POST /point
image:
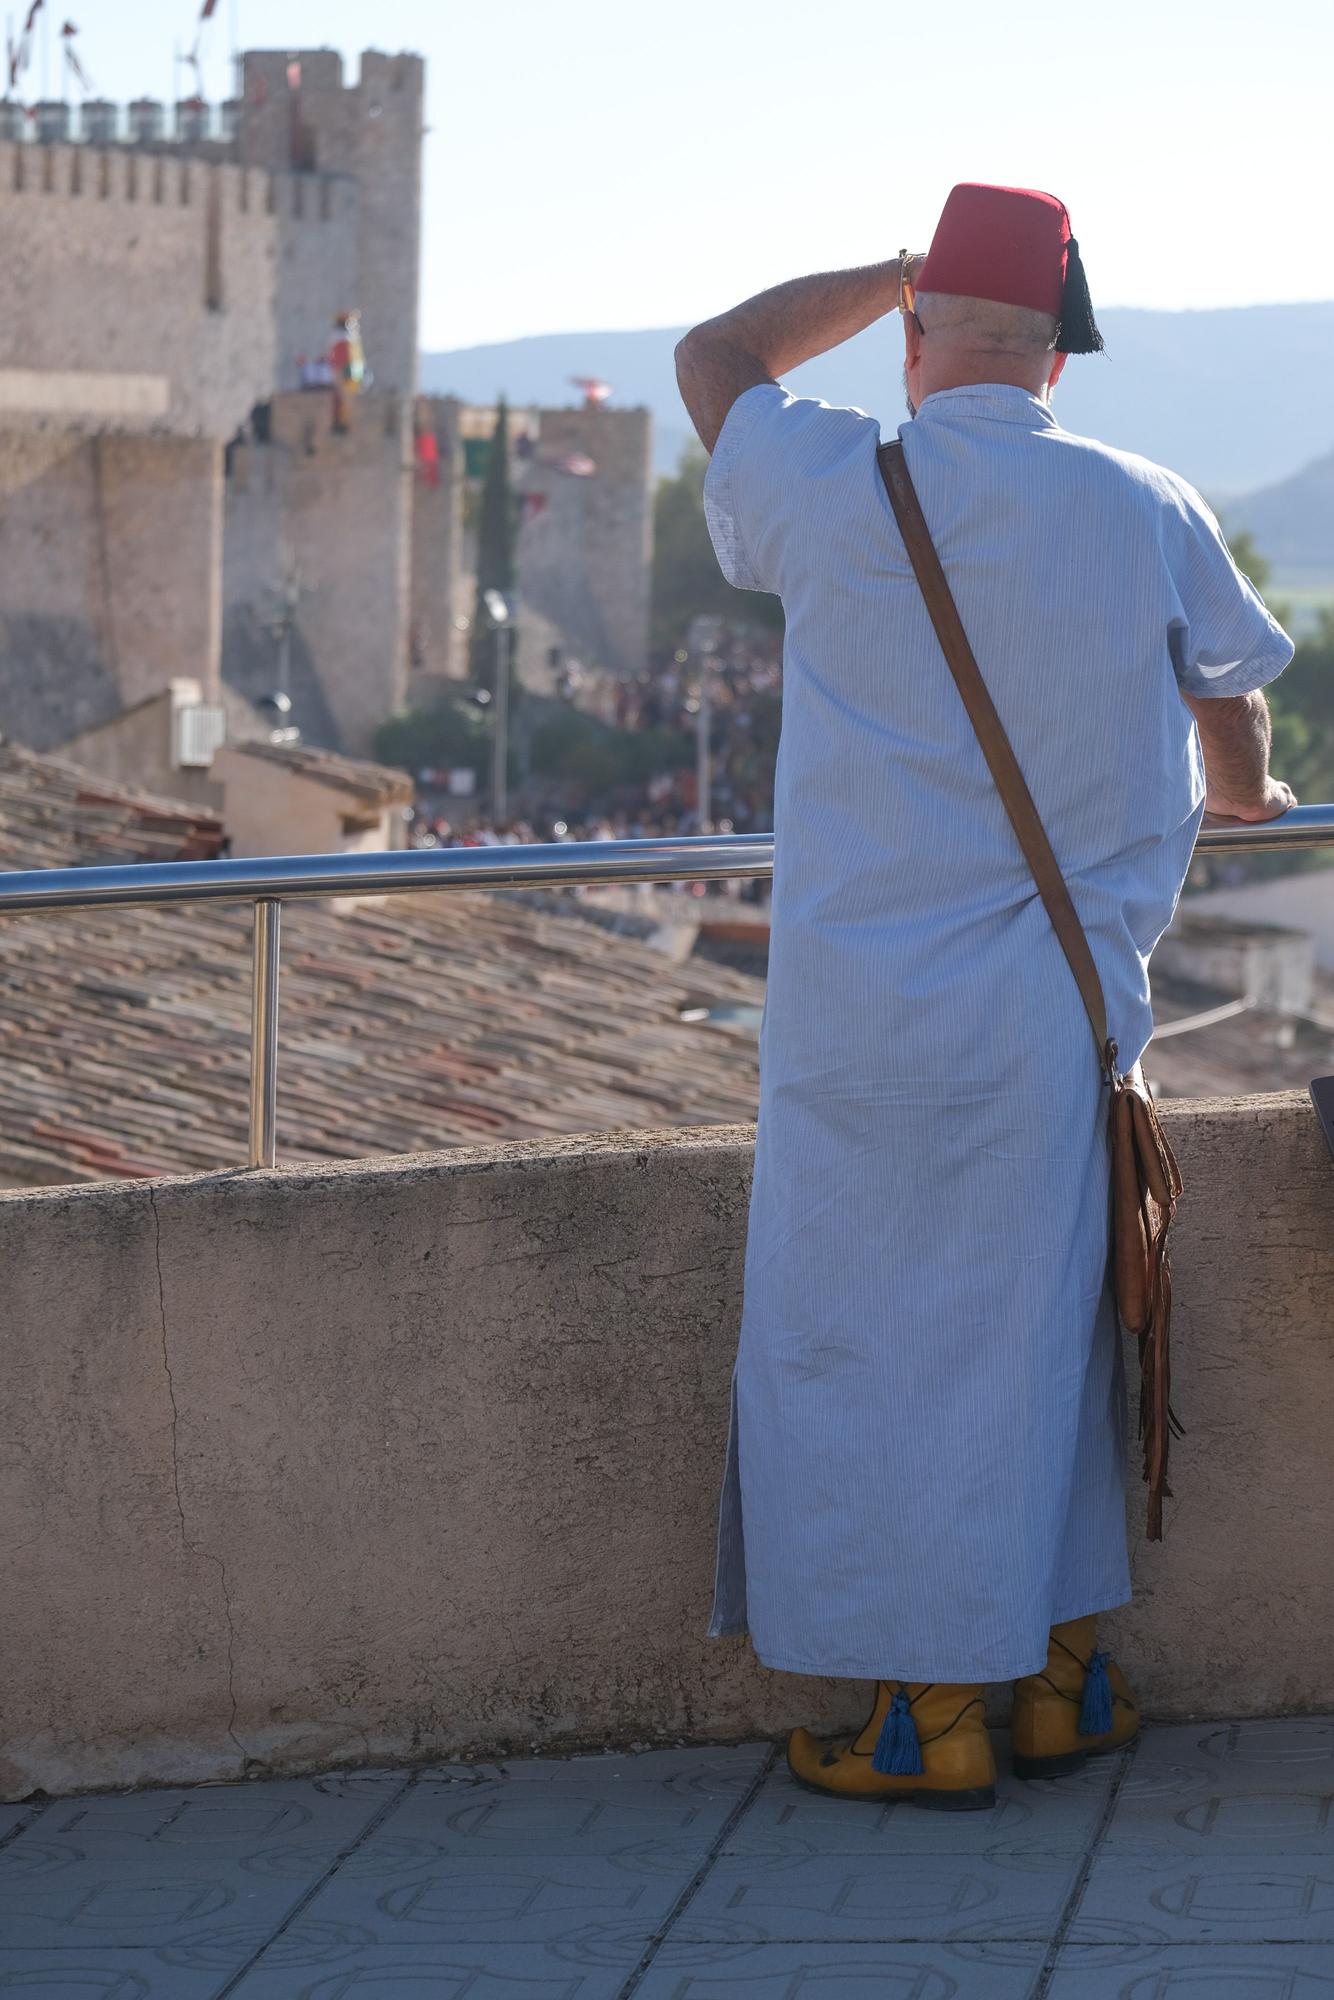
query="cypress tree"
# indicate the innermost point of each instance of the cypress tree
(495, 539)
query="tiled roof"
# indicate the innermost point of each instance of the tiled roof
(378, 784)
(421, 1022)
(54, 815)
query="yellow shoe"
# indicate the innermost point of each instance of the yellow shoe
(1079, 1706)
(925, 1741)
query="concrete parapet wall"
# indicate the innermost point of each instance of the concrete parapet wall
(420, 1458)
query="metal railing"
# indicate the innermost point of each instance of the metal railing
(270, 883)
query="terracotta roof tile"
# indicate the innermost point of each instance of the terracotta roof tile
(378, 784)
(414, 1023)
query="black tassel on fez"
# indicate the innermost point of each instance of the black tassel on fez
(1078, 331)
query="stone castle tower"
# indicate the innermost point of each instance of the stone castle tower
(176, 502)
(165, 292)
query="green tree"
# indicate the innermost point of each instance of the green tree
(581, 749)
(452, 734)
(686, 576)
(495, 541)
(1302, 704)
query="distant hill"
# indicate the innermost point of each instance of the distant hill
(1292, 522)
(1236, 399)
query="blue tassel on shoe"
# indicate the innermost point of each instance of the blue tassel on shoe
(1095, 1714)
(898, 1749)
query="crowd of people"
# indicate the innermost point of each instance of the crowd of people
(428, 828)
(742, 696)
(744, 677)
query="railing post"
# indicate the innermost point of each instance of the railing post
(264, 1035)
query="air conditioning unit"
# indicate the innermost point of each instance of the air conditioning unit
(200, 729)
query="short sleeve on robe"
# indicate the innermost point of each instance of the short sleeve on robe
(1221, 638)
(763, 477)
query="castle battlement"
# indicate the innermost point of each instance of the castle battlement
(160, 179)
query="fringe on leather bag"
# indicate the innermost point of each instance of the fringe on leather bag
(1146, 1186)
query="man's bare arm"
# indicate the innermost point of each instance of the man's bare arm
(776, 330)
(1235, 734)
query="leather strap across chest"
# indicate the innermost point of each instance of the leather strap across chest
(1001, 760)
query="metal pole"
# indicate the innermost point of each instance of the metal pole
(264, 1035)
(501, 742)
(703, 751)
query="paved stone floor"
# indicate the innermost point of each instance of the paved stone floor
(1197, 1866)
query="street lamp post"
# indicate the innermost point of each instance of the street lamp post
(703, 638)
(703, 753)
(502, 631)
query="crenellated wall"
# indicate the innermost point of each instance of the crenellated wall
(149, 265)
(298, 110)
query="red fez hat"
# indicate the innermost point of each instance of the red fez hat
(1012, 245)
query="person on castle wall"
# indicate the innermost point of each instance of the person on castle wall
(348, 359)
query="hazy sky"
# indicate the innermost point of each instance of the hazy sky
(622, 163)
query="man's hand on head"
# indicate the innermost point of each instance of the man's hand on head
(761, 339)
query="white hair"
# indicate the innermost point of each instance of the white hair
(986, 325)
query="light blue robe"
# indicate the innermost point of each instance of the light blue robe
(927, 1456)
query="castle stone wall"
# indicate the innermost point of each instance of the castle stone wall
(438, 649)
(318, 224)
(336, 509)
(146, 265)
(110, 566)
(371, 131)
(584, 553)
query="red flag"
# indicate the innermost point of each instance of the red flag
(210, 7)
(68, 30)
(428, 457)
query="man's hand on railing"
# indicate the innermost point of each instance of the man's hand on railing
(1277, 799)
(1235, 736)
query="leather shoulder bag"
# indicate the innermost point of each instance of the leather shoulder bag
(1146, 1184)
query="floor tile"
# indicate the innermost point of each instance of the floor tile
(789, 1898)
(1053, 1815)
(442, 1972)
(729, 1768)
(1295, 1754)
(219, 1819)
(1194, 1972)
(845, 1972)
(99, 1975)
(1174, 1898)
(503, 1900)
(147, 1870)
(1204, 1819)
(560, 1818)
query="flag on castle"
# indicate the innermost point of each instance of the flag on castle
(72, 63)
(20, 51)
